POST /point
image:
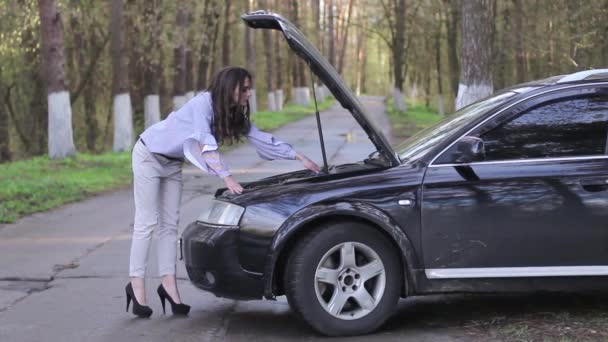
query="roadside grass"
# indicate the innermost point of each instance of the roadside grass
(39, 184)
(416, 118)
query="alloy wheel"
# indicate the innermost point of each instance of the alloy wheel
(350, 280)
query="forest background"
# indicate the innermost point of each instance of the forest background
(159, 53)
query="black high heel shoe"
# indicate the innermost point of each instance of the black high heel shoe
(138, 309)
(178, 309)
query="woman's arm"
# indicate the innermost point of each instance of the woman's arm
(216, 165)
(269, 148)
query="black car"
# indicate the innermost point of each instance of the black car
(507, 194)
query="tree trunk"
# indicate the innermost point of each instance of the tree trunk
(226, 53)
(279, 65)
(604, 55)
(344, 38)
(438, 65)
(179, 60)
(573, 8)
(301, 92)
(5, 138)
(121, 107)
(134, 50)
(33, 129)
(520, 53)
(270, 67)
(316, 16)
(151, 61)
(330, 32)
(360, 69)
(501, 73)
(476, 54)
(189, 74)
(61, 141)
(215, 60)
(453, 24)
(210, 18)
(399, 57)
(80, 47)
(250, 57)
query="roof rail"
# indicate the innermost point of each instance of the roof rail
(583, 75)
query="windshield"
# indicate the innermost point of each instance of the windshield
(420, 143)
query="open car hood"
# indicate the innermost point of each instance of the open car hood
(326, 73)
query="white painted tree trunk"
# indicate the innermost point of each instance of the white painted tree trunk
(123, 123)
(326, 93)
(413, 92)
(440, 105)
(189, 95)
(272, 105)
(399, 100)
(319, 92)
(61, 142)
(278, 97)
(253, 102)
(178, 101)
(302, 96)
(469, 94)
(151, 110)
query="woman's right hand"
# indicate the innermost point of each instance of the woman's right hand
(233, 185)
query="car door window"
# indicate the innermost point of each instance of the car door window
(562, 128)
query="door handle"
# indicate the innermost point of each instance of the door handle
(595, 184)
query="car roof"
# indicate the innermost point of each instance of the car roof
(581, 77)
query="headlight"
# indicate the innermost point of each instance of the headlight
(224, 213)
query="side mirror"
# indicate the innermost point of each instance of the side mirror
(469, 149)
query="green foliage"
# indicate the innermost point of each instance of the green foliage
(40, 184)
(416, 118)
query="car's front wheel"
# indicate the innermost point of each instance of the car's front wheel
(344, 279)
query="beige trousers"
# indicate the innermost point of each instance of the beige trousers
(157, 187)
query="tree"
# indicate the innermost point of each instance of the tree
(61, 141)
(453, 24)
(226, 57)
(344, 33)
(121, 106)
(395, 13)
(300, 90)
(270, 67)
(279, 65)
(5, 138)
(210, 18)
(151, 61)
(179, 58)
(476, 52)
(250, 54)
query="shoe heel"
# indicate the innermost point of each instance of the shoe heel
(162, 299)
(128, 301)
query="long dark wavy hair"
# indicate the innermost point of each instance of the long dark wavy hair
(230, 119)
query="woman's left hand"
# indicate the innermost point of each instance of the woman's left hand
(309, 164)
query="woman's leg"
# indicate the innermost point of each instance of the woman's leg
(170, 201)
(146, 187)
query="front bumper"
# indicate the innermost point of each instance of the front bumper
(211, 258)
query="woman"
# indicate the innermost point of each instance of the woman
(218, 116)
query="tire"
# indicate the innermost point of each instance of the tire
(366, 287)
